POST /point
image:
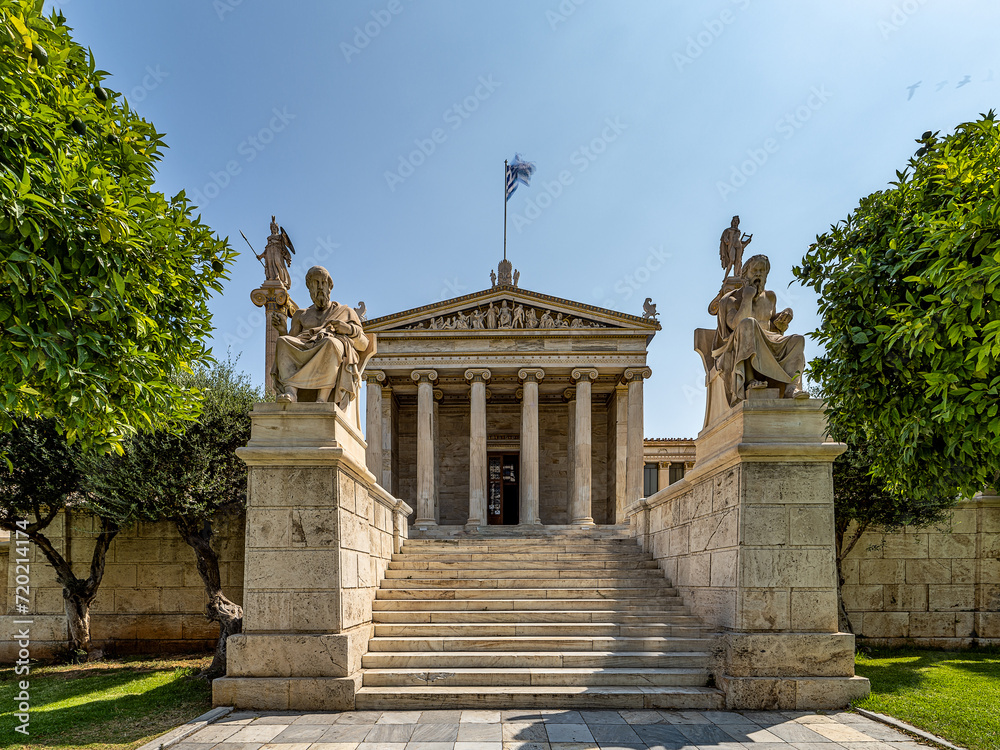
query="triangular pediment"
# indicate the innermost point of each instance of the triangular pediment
(505, 308)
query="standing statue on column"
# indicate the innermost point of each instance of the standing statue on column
(751, 349)
(731, 247)
(277, 255)
(325, 350)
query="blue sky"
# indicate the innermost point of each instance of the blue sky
(376, 133)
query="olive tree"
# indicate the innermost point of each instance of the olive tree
(192, 478)
(42, 477)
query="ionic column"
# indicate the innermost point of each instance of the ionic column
(620, 438)
(528, 509)
(373, 422)
(386, 478)
(570, 395)
(580, 509)
(663, 475)
(425, 447)
(636, 459)
(477, 445)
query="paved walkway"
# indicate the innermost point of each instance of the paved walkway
(548, 730)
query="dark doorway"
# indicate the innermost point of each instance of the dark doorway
(502, 491)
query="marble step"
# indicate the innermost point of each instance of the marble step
(536, 643)
(445, 660)
(632, 605)
(509, 547)
(670, 617)
(521, 572)
(503, 564)
(537, 677)
(609, 697)
(547, 629)
(539, 555)
(622, 584)
(460, 533)
(612, 593)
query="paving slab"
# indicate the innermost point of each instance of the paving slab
(546, 729)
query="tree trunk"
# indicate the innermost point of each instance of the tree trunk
(78, 593)
(219, 609)
(843, 619)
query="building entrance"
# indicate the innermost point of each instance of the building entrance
(503, 492)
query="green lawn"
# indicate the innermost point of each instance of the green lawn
(113, 705)
(954, 694)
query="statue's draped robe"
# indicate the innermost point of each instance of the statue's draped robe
(317, 358)
(274, 261)
(752, 351)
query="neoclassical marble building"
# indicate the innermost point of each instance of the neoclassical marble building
(508, 406)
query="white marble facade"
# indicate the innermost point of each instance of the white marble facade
(562, 402)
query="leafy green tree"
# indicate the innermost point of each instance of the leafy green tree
(104, 282)
(43, 479)
(192, 478)
(909, 296)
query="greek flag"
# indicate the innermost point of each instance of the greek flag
(518, 171)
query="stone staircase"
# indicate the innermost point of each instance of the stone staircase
(550, 618)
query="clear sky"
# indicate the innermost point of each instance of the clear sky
(376, 132)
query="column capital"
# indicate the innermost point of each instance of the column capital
(664, 464)
(478, 375)
(584, 373)
(531, 373)
(428, 376)
(636, 373)
(265, 295)
(569, 394)
(374, 376)
(438, 394)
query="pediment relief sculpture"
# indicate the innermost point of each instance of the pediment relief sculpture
(504, 316)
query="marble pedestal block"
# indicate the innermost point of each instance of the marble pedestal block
(747, 537)
(319, 535)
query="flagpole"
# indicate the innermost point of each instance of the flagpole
(505, 209)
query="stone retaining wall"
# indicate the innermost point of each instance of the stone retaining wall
(938, 586)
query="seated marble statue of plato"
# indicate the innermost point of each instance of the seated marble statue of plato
(323, 348)
(751, 350)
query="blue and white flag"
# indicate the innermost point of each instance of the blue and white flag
(518, 171)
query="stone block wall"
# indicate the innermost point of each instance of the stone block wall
(937, 586)
(151, 598)
(774, 515)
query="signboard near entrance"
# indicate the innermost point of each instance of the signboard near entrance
(502, 490)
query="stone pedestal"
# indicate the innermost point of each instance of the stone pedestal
(319, 535)
(747, 537)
